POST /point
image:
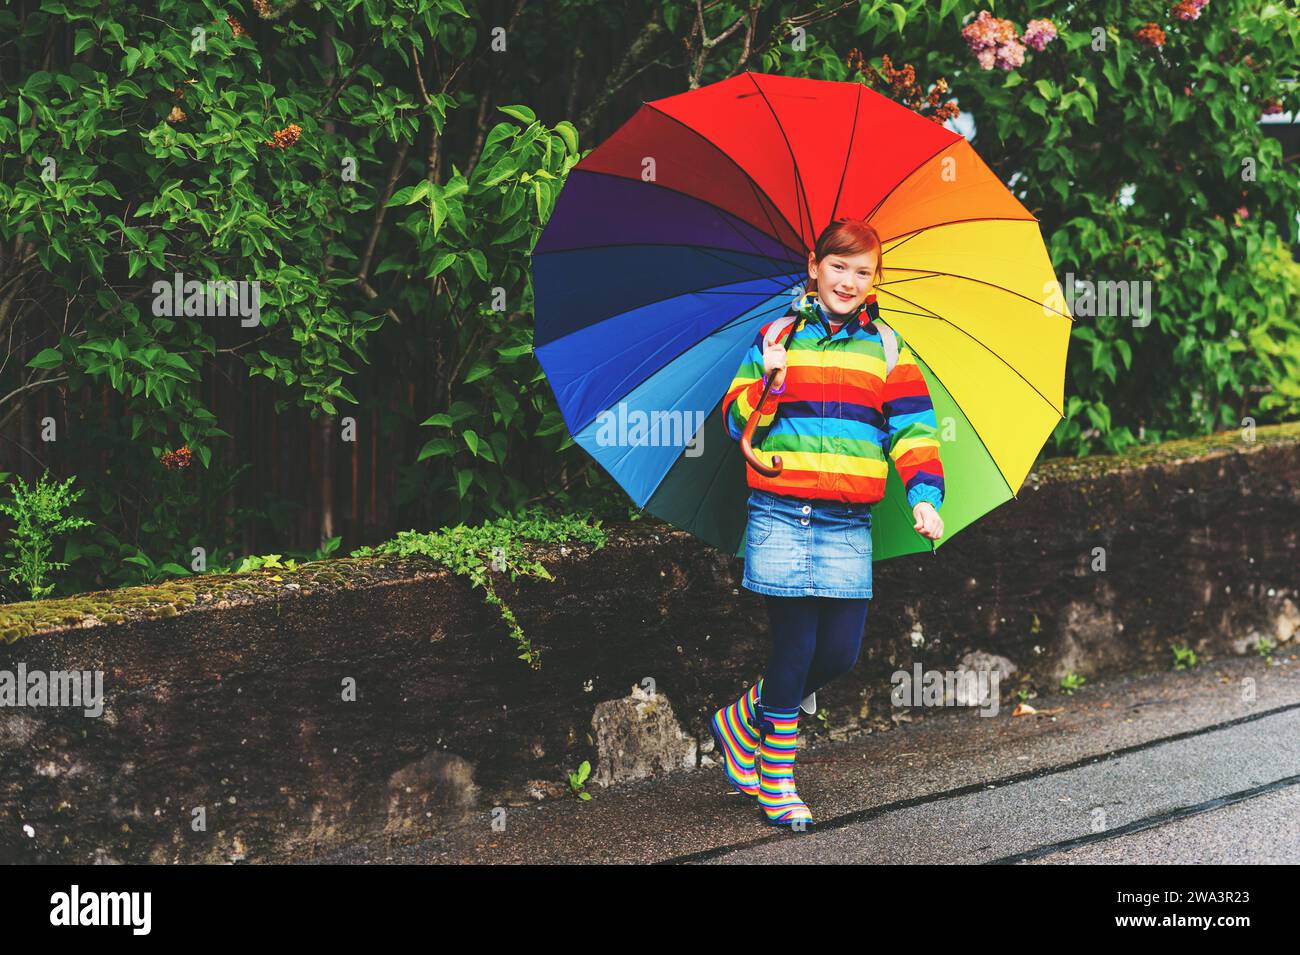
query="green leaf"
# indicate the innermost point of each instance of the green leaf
(900, 15)
(37, 83)
(1125, 352)
(439, 210)
(341, 50)
(521, 113)
(440, 263)
(392, 263)
(569, 133)
(1089, 89)
(479, 261)
(505, 167)
(435, 447)
(47, 358)
(401, 197)
(418, 192)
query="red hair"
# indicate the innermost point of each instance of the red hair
(848, 236)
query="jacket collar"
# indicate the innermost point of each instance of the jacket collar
(869, 309)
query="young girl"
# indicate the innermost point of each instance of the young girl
(808, 540)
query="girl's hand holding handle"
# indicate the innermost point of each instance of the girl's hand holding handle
(774, 360)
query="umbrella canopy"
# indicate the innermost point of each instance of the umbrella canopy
(689, 228)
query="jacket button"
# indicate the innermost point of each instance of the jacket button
(807, 508)
(803, 520)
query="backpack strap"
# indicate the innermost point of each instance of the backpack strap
(888, 338)
(776, 328)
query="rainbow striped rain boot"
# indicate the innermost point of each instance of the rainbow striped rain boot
(777, 798)
(736, 738)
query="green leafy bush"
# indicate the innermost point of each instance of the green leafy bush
(291, 154)
(39, 520)
(1274, 334)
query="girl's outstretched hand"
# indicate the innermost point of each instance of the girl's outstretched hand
(928, 522)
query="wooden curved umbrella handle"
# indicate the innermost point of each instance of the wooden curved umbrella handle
(748, 432)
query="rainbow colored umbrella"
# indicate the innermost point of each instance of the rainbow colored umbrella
(689, 228)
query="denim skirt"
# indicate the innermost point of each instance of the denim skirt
(797, 548)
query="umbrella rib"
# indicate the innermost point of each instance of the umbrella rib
(903, 311)
(876, 207)
(702, 290)
(708, 250)
(627, 390)
(798, 180)
(913, 233)
(996, 466)
(930, 273)
(985, 347)
(753, 187)
(738, 320)
(724, 215)
(857, 107)
(899, 246)
(752, 184)
(914, 278)
(643, 380)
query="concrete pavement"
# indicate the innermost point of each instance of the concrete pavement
(1155, 768)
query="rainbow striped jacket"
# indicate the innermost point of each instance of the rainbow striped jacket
(837, 415)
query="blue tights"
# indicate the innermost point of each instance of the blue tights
(814, 640)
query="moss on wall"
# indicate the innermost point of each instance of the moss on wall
(1166, 452)
(130, 604)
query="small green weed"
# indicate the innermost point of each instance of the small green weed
(497, 546)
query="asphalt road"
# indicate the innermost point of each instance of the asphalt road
(1176, 767)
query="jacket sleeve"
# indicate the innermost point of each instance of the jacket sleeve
(911, 430)
(745, 390)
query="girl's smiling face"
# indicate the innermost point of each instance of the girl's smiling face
(843, 281)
